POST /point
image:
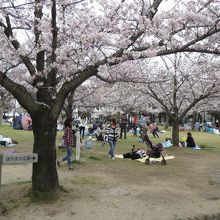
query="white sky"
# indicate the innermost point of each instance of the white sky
(165, 5)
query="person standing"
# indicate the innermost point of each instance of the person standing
(112, 133)
(123, 125)
(135, 125)
(82, 126)
(143, 121)
(153, 130)
(68, 143)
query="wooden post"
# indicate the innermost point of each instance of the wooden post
(1, 162)
(77, 147)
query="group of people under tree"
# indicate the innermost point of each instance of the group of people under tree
(143, 121)
(112, 133)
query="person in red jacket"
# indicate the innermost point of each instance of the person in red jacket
(68, 143)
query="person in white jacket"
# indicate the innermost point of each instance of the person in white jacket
(82, 126)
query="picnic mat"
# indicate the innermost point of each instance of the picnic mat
(156, 159)
(151, 159)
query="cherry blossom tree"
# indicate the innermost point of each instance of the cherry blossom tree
(50, 47)
(211, 106)
(184, 83)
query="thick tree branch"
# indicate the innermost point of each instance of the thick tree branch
(52, 59)
(193, 103)
(38, 16)
(67, 87)
(155, 96)
(19, 92)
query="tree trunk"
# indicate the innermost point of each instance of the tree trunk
(44, 176)
(175, 133)
(194, 120)
(166, 121)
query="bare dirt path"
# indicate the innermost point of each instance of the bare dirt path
(188, 187)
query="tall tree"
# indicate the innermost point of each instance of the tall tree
(73, 40)
(184, 83)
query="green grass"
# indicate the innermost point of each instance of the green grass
(95, 159)
(210, 143)
(25, 138)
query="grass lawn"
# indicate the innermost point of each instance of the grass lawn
(187, 186)
(208, 142)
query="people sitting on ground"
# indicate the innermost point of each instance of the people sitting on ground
(167, 143)
(183, 142)
(7, 141)
(190, 141)
(135, 153)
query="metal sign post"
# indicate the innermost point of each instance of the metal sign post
(17, 158)
(20, 158)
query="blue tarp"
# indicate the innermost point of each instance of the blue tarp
(17, 123)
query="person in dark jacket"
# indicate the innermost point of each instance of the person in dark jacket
(190, 141)
(135, 153)
(123, 126)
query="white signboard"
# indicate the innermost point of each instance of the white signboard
(19, 158)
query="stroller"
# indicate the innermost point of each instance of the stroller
(155, 151)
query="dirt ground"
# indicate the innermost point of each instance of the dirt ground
(187, 188)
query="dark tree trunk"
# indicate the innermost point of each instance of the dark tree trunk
(159, 117)
(44, 176)
(194, 120)
(68, 106)
(175, 133)
(68, 111)
(166, 121)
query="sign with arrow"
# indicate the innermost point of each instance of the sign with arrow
(19, 158)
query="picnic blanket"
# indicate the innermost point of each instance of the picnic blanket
(167, 157)
(156, 159)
